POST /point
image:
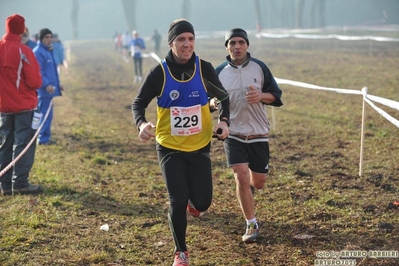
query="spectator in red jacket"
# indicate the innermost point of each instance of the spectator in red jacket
(19, 78)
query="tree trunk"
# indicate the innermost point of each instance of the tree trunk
(273, 14)
(258, 16)
(313, 14)
(129, 7)
(322, 13)
(299, 13)
(317, 14)
(288, 9)
(74, 19)
(186, 7)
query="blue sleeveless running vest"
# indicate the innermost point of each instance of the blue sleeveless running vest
(184, 120)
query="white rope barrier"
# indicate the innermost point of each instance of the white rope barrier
(153, 55)
(383, 113)
(325, 37)
(386, 102)
(366, 99)
(315, 87)
(29, 144)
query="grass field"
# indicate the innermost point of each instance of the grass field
(99, 173)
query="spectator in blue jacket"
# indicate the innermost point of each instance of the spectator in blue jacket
(51, 83)
(59, 53)
(25, 39)
(137, 46)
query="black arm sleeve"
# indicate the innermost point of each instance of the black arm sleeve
(270, 85)
(215, 88)
(150, 88)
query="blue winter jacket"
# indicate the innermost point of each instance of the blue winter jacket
(136, 47)
(58, 52)
(48, 69)
(31, 44)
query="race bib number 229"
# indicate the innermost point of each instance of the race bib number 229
(185, 121)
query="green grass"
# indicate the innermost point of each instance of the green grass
(100, 173)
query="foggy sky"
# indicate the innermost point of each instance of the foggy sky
(99, 19)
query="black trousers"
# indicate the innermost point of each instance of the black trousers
(138, 66)
(188, 176)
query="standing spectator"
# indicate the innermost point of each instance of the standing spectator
(118, 42)
(58, 52)
(35, 37)
(25, 39)
(156, 38)
(19, 79)
(126, 39)
(137, 46)
(251, 86)
(51, 84)
(183, 129)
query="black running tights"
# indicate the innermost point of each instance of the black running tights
(188, 176)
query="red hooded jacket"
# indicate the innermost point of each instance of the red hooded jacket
(19, 70)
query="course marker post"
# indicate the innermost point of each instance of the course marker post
(364, 91)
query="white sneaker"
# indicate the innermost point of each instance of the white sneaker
(251, 233)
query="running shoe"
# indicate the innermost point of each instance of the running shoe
(252, 233)
(181, 258)
(193, 211)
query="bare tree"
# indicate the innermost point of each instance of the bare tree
(74, 19)
(299, 13)
(258, 15)
(290, 13)
(269, 13)
(275, 13)
(186, 7)
(317, 18)
(313, 13)
(322, 13)
(129, 7)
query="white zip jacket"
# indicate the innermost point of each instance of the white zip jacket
(248, 119)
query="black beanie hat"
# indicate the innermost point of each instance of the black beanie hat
(44, 32)
(178, 27)
(236, 32)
